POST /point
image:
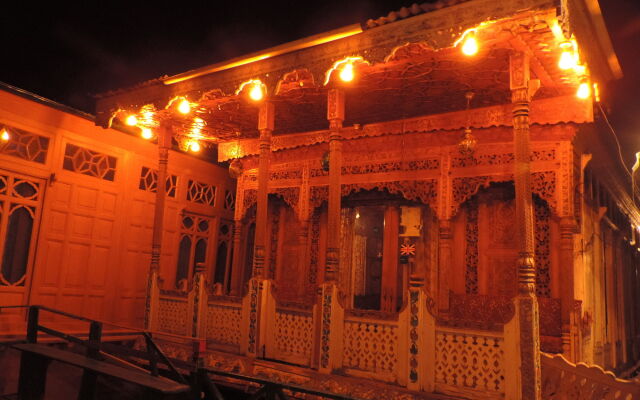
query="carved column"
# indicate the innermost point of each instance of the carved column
(265, 126)
(522, 89)
(335, 115)
(237, 269)
(164, 144)
(445, 237)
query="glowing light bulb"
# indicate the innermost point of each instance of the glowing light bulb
(184, 107)
(146, 133)
(194, 146)
(346, 74)
(568, 57)
(470, 44)
(131, 120)
(584, 91)
(5, 135)
(256, 92)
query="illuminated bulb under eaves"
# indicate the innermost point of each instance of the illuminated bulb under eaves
(146, 133)
(131, 120)
(346, 74)
(567, 58)
(184, 107)
(5, 135)
(470, 44)
(194, 146)
(256, 92)
(584, 91)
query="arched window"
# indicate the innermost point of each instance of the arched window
(192, 250)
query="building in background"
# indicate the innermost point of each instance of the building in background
(422, 203)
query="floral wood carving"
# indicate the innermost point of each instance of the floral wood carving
(465, 187)
(424, 191)
(314, 252)
(250, 198)
(290, 195)
(544, 185)
(542, 251)
(471, 254)
(479, 311)
(550, 317)
(318, 195)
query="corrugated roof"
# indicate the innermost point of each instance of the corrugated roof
(407, 12)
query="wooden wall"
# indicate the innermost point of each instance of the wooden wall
(91, 246)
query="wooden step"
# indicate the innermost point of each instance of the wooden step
(153, 383)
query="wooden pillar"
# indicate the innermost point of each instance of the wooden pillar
(331, 312)
(389, 295)
(567, 230)
(237, 267)
(265, 126)
(526, 303)
(198, 297)
(164, 144)
(335, 115)
(445, 237)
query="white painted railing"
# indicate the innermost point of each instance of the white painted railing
(563, 380)
(371, 346)
(470, 361)
(224, 325)
(173, 315)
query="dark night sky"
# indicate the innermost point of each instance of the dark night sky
(66, 52)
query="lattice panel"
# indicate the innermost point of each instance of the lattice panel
(173, 316)
(471, 253)
(149, 181)
(223, 324)
(202, 193)
(370, 346)
(542, 250)
(25, 145)
(89, 162)
(294, 334)
(470, 361)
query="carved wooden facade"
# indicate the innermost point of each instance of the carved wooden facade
(371, 239)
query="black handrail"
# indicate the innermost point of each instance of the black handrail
(200, 381)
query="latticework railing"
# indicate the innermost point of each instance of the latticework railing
(293, 339)
(173, 315)
(224, 324)
(371, 346)
(563, 380)
(470, 360)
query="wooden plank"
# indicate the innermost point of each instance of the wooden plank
(159, 384)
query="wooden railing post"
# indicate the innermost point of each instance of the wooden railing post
(418, 357)
(90, 378)
(331, 329)
(32, 324)
(33, 368)
(200, 300)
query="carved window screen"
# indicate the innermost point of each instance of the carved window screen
(19, 204)
(202, 193)
(224, 257)
(229, 200)
(25, 145)
(149, 182)
(89, 162)
(192, 249)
